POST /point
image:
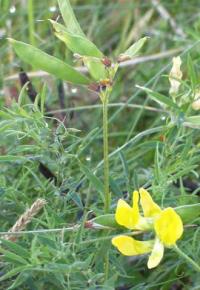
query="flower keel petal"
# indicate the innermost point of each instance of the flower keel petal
(128, 246)
(156, 255)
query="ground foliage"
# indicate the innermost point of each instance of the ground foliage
(51, 146)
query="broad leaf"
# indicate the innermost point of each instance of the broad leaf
(107, 220)
(41, 60)
(188, 212)
(95, 68)
(91, 55)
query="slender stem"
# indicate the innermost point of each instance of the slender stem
(187, 258)
(106, 268)
(31, 22)
(105, 152)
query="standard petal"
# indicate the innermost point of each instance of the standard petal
(131, 247)
(168, 226)
(150, 208)
(125, 215)
(156, 254)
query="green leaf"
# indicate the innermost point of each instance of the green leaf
(22, 94)
(4, 125)
(21, 279)
(14, 272)
(191, 72)
(41, 60)
(189, 212)
(13, 257)
(69, 17)
(107, 220)
(159, 97)
(11, 158)
(96, 68)
(95, 181)
(81, 45)
(76, 43)
(16, 248)
(193, 120)
(132, 50)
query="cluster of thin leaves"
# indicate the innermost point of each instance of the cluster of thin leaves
(55, 153)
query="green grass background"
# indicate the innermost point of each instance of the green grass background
(144, 150)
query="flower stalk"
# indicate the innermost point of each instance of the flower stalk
(104, 99)
(186, 258)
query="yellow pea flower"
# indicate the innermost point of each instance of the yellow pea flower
(168, 227)
(128, 246)
(166, 224)
(126, 215)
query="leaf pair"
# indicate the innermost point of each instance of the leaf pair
(74, 38)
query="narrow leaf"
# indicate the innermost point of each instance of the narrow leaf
(76, 43)
(41, 60)
(132, 50)
(13, 257)
(159, 97)
(22, 94)
(14, 272)
(95, 181)
(16, 248)
(69, 17)
(12, 158)
(195, 120)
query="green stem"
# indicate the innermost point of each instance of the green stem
(106, 269)
(105, 152)
(187, 258)
(31, 22)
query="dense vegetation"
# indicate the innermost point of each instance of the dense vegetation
(58, 196)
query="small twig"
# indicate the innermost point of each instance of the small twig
(92, 226)
(25, 219)
(97, 106)
(165, 15)
(133, 62)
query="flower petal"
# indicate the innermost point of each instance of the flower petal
(135, 200)
(168, 226)
(150, 208)
(125, 215)
(175, 76)
(131, 247)
(156, 255)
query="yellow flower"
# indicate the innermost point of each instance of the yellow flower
(166, 224)
(128, 216)
(168, 227)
